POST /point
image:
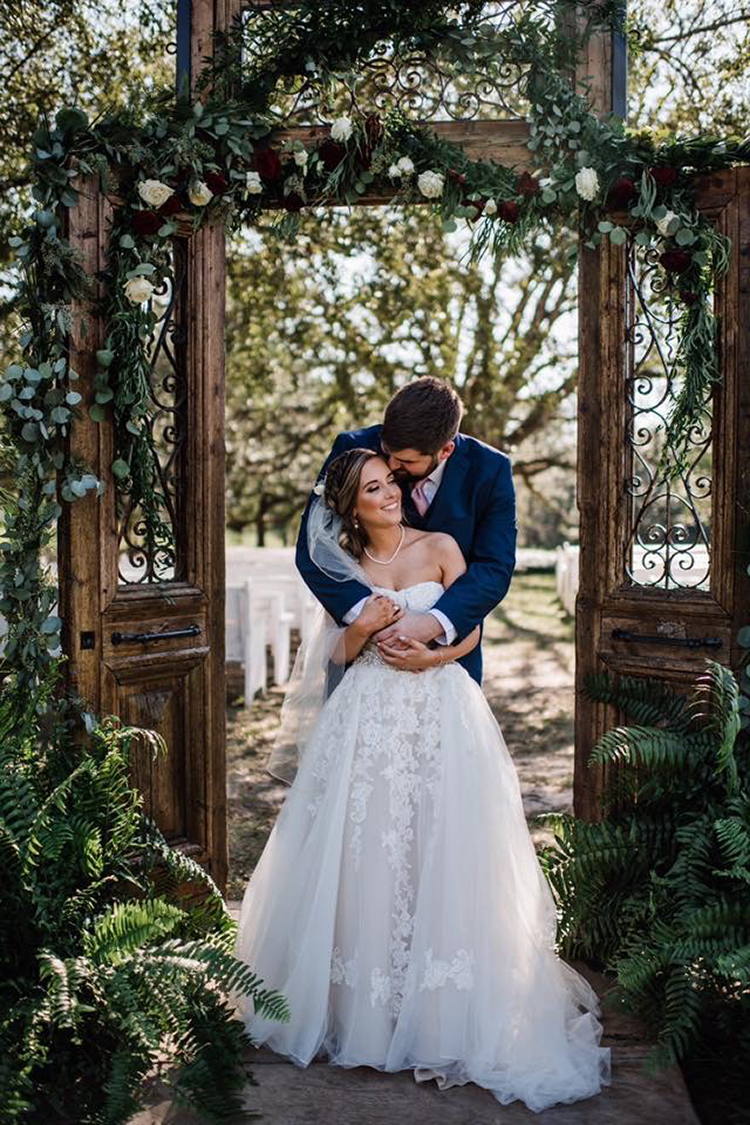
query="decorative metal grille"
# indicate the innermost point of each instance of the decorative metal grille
(670, 518)
(166, 560)
(430, 88)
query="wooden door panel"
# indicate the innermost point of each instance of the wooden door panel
(645, 546)
(145, 636)
(173, 785)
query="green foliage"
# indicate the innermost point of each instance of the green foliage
(184, 145)
(659, 892)
(109, 975)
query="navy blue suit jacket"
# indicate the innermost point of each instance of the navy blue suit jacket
(475, 503)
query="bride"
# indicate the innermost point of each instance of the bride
(399, 904)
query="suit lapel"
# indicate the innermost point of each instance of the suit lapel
(445, 497)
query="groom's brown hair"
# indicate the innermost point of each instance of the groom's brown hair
(424, 415)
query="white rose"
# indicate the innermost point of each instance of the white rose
(431, 184)
(300, 158)
(490, 207)
(138, 289)
(394, 171)
(341, 130)
(663, 223)
(154, 192)
(587, 183)
(252, 181)
(200, 194)
(406, 166)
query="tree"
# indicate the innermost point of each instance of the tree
(58, 52)
(321, 333)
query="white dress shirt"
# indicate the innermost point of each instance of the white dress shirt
(430, 485)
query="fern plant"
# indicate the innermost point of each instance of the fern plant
(107, 975)
(659, 891)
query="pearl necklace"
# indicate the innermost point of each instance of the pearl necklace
(385, 562)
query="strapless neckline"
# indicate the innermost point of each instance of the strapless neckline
(406, 589)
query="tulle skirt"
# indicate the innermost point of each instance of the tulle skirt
(400, 907)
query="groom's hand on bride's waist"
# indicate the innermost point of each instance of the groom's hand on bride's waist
(423, 627)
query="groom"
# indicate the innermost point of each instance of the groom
(450, 483)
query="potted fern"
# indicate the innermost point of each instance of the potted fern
(107, 976)
(658, 892)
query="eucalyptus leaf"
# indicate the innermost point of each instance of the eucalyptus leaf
(120, 468)
(97, 412)
(618, 236)
(684, 237)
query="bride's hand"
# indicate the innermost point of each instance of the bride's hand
(410, 656)
(378, 612)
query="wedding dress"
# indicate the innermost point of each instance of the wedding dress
(399, 904)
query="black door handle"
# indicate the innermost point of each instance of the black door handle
(685, 642)
(190, 631)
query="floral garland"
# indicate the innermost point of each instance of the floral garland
(214, 160)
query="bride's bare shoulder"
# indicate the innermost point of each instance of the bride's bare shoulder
(439, 543)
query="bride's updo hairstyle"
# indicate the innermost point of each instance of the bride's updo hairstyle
(342, 488)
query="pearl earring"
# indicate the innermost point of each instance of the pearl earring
(356, 522)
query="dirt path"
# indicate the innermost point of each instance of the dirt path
(528, 679)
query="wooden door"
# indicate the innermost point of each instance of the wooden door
(663, 567)
(143, 642)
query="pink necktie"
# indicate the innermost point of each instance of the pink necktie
(421, 502)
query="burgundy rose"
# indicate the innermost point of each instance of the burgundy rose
(218, 183)
(675, 261)
(527, 185)
(293, 202)
(171, 206)
(457, 177)
(688, 296)
(268, 165)
(664, 176)
(146, 222)
(621, 192)
(508, 211)
(331, 154)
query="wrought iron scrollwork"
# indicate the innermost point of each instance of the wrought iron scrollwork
(429, 87)
(167, 422)
(670, 521)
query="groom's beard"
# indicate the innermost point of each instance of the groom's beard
(408, 480)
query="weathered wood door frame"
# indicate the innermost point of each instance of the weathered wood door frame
(175, 685)
(608, 602)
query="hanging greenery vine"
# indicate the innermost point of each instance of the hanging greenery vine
(211, 158)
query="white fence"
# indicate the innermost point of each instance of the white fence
(566, 576)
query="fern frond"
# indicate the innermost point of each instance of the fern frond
(196, 958)
(650, 746)
(127, 926)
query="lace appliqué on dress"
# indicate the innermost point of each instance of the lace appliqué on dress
(438, 973)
